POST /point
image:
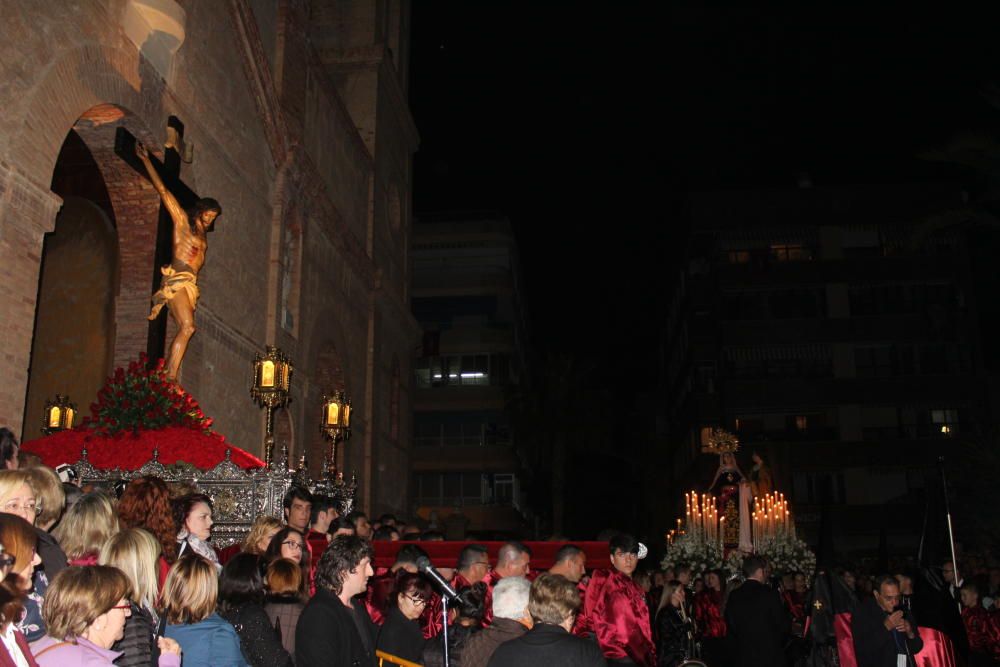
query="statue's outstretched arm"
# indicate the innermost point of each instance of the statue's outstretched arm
(173, 206)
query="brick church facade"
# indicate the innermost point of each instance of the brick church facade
(295, 119)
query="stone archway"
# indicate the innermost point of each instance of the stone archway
(98, 266)
(78, 80)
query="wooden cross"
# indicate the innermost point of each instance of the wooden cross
(170, 171)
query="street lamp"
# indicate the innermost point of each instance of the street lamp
(335, 424)
(59, 415)
(272, 373)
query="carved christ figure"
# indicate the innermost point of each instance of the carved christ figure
(179, 286)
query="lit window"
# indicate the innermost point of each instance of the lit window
(790, 253)
(801, 423)
(739, 256)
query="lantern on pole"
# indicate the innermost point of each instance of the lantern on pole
(272, 375)
(335, 424)
(59, 415)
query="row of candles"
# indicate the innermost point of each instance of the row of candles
(771, 518)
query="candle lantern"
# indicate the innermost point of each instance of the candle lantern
(272, 374)
(335, 423)
(59, 415)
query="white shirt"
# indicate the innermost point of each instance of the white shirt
(12, 648)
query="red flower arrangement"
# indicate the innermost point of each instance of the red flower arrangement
(144, 399)
(139, 410)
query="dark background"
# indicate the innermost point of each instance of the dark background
(588, 124)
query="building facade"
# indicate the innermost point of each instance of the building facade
(293, 115)
(836, 332)
(467, 297)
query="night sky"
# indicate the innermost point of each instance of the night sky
(587, 124)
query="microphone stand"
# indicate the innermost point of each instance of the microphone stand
(444, 626)
(951, 534)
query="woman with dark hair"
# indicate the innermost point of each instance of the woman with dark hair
(17, 563)
(708, 617)
(465, 617)
(8, 449)
(290, 544)
(401, 634)
(193, 518)
(241, 602)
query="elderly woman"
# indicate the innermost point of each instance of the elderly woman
(193, 518)
(85, 612)
(18, 498)
(51, 500)
(17, 562)
(401, 634)
(136, 553)
(189, 599)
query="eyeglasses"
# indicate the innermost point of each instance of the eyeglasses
(420, 602)
(292, 544)
(122, 606)
(484, 563)
(29, 507)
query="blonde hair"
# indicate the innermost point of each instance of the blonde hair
(261, 527)
(191, 590)
(136, 553)
(88, 524)
(553, 599)
(11, 481)
(49, 493)
(78, 595)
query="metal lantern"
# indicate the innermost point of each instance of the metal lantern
(335, 423)
(59, 415)
(272, 375)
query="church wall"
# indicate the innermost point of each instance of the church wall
(57, 60)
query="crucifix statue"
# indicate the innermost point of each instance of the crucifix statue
(179, 284)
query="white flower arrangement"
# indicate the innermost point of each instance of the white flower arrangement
(788, 554)
(699, 554)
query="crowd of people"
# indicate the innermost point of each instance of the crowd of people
(132, 578)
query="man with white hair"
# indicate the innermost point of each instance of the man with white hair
(510, 620)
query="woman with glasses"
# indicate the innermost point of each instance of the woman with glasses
(290, 543)
(18, 561)
(241, 602)
(401, 634)
(85, 612)
(18, 498)
(136, 553)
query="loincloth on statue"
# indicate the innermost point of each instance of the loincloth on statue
(173, 282)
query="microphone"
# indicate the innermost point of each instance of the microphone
(424, 565)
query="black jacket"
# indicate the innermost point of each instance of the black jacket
(756, 625)
(874, 646)
(137, 644)
(401, 637)
(548, 646)
(53, 558)
(259, 641)
(672, 637)
(329, 634)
